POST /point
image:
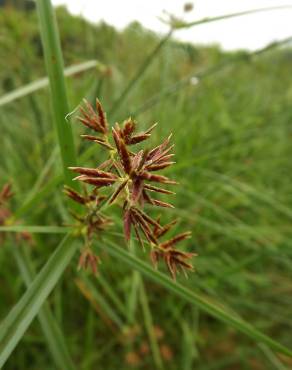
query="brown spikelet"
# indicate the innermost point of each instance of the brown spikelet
(129, 128)
(148, 219)
(91, 119)
(77, 197)
(157, 190)
(138, 139)
(159, 203)
(88, 260)
(99, 182)
(137, 188)
(157, 178)
(102, 116)
(6, 193)
(176, 239)
(117, 138)
(159, 232)
(127, 224)
(156, 152)
(98, 140)
(159, 166)
(125, 157)
(93, 172)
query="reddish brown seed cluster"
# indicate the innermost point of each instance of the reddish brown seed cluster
(133, 178)
(5, 214)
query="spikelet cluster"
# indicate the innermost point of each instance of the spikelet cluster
(133, 178)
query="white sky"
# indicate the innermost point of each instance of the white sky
(247, 32)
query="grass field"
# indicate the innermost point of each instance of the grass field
(230, 115)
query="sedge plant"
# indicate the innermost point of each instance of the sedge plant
(127, 179)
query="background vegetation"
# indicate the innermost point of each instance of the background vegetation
(231, 118)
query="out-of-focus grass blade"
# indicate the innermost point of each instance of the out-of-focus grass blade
(204, 303)
(20, 317)
(54, 336)
(44, 82)
(35, 229)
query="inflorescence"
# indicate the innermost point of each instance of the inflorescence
(130, 175)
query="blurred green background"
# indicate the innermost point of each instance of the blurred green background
(230, 114)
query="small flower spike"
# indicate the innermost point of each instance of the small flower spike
(5, 214)
(129, 179)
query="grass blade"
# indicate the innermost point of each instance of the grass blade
(44, 82)
(35, 229)
(54, 64)
(205, 304)
(54, 336)
(20, 317)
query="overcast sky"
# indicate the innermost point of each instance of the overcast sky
(247, 32)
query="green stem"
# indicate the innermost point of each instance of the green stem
(55, 69)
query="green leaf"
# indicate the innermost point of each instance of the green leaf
(20, 317)
(44, 82)
(52, 332)
(55, 69)
(35, 229)
(204, 303)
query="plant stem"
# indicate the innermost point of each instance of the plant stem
(55, 69)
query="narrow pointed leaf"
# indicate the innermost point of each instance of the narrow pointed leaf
(20, 317)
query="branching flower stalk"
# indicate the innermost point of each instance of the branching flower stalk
(130, 176)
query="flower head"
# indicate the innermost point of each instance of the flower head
(130, 179)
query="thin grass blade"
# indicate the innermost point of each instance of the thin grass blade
(20, 317)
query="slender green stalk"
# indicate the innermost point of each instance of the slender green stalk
(52, 332)
(54, 64)
(139, 74)
(181, 25)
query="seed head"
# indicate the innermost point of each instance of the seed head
(126, 179)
